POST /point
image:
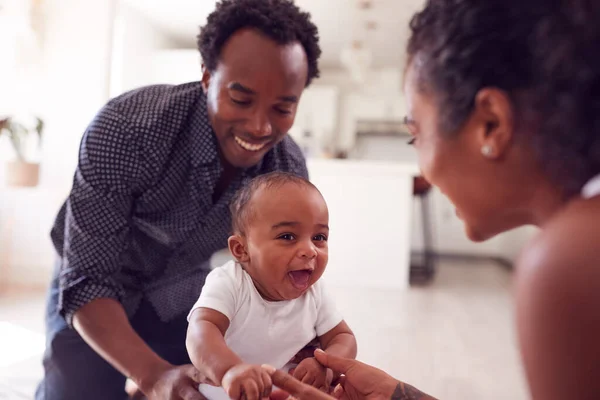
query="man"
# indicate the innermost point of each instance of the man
(149, 203)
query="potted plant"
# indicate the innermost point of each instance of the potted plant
(22, 172)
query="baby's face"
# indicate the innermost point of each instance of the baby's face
(286, 240)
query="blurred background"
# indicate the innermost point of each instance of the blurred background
(427, 305)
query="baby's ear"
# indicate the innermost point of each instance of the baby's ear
(237, 247)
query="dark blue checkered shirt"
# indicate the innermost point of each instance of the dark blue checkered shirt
(140, 221)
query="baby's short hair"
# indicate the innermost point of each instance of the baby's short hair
(241, 208)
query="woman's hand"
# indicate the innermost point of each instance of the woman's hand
(360, 381)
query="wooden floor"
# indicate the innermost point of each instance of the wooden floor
(454, 339)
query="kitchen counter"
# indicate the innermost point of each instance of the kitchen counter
(370, 208)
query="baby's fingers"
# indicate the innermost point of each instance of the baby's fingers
(310, 378)
(267, 383)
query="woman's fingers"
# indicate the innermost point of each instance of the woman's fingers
(337, 364)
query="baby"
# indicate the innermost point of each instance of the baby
(269, 304)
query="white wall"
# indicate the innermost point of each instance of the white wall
(138, 57)
(76, 57)
(379, 97)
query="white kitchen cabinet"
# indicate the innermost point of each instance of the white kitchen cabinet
(370, 219)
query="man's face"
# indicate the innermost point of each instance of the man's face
(253, 94)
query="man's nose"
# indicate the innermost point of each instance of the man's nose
(260, 126)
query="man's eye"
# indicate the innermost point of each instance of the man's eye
(241, 102)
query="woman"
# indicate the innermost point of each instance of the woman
(504, 107)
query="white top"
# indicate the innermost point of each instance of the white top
(263, 332)
(592, 188)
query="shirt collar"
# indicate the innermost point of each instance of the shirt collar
(204, 140)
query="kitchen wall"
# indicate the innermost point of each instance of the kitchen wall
(74, 85)
(137, 56)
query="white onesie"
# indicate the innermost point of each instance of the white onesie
(260, 331)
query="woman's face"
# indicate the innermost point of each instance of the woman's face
(490, 191)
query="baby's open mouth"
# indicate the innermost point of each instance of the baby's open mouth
(300, 278)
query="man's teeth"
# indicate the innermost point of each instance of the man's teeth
(249, 146)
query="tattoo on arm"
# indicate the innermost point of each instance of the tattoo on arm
(407, 392)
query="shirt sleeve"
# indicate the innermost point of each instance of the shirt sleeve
(328, 317)
(220, 292)
(98, 213)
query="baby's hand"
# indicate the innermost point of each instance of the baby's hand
(309, 371)
(247, 382)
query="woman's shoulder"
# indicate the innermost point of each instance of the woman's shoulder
(567, 249)
(573, 235)
(558, 298)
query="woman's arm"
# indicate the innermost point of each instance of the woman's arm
(406, 392)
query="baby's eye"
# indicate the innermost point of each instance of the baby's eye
(320, 238)
(286, 236)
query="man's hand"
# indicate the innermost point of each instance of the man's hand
(311, 372)
(247, 382)
(173, 383)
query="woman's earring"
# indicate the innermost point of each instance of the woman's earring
(487, 150)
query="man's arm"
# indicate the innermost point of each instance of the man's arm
(104, 325)
(97, 229)
(206, 345)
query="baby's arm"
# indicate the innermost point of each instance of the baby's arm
(206, 344)
(217, 362)
(339, 341)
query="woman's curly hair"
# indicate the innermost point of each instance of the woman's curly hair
(280, 20)
(544, 53)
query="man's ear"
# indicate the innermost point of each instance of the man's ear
(205, 78)
(238, 248)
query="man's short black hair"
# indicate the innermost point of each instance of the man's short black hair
(241, 205)
(280, 20)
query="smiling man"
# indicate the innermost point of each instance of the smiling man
(157, 169)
